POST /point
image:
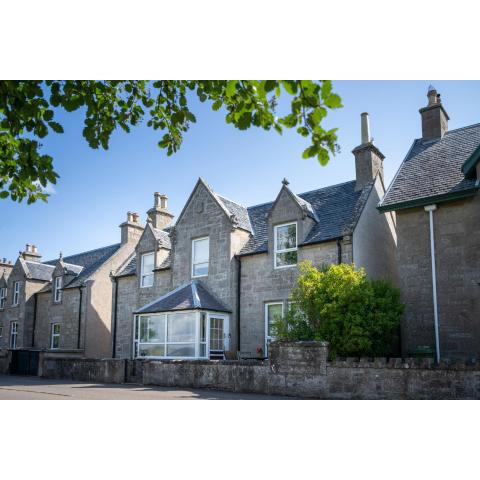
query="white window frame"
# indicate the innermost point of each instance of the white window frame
(143, 274)
(199, 263)
(54, 335)
(16, 294)
(57, 289)
(198, 340)
(3, 297)
(285, 250)
(267, 336)
(13, 335)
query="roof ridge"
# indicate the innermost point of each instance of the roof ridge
(83, 253)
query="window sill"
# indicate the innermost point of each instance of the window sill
(285, 266)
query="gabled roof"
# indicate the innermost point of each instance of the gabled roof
(130, 267)
(162, 237)
(336, 208)
(88, 261)
(40, 271)
(432, 171)
(192, 296)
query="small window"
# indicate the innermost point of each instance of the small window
(55, 340)
(57, 290)
(146, 275)
(285, 245)
(16, 293)
(3, 296)
(13, 334)
(200, 256)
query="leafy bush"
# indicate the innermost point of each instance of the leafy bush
(356, 315)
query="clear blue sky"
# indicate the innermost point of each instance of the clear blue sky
(96, 188)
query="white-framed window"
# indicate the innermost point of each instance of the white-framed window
(55, 336)
(16, 293)
(180, 335)
(285, 245)
(57, 290)
(273, 312)
(146, 269)
(200, 256)
(13, 334)
(3, 296)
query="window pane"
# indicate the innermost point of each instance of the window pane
(147, 262)
(287, 237)
(156, 329)
(274, 313)
(200, 250)
(203, 350)
(144, 329)
(56, 342)
(151, 350)
(181, 350)
(287, 258)
(56, 328)
(181, 327)
(200, 269)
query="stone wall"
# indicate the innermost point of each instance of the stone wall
(5, 358)
(457, 240)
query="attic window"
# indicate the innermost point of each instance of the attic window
(285, 245)
(148, 260)
(57, 290)
(200, 257)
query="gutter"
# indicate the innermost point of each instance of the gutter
(239, 291)
(115, 310)
(339, 251)
(34, 318)
(430, 209)
(79, 316)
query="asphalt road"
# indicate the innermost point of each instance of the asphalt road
(34, 388)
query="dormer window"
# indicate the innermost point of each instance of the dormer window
(146, 273)
(285, 245)
(3, 296)
(200, 257)
(57, 290)
(16, 293)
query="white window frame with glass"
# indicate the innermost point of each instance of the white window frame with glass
(280, 250)
(55, 336)
(57, 290)
(200, 263)
(16, 294)
(268, 335)
(146, 275)
(153, 337)
(13, 334)
(3, 297)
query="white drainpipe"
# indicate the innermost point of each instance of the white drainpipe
(430, 209)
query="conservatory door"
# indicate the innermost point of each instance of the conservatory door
(219, 336)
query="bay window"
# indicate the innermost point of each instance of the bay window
(285, 245)
(146, 273)
(200, 257)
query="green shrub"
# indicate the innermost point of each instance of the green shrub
(356, 315)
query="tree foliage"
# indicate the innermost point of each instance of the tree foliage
(356, 315)
(27, 114)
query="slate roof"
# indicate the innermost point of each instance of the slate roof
(192, 296)
(89, 261)
(432, 170)
(239, 211)
(336, 207)
(130, 268)
(40, 271)
(162, 237)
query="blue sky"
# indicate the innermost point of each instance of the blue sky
(96, 188)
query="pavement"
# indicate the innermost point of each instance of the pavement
(13, 387)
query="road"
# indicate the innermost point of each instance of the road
(34, 388)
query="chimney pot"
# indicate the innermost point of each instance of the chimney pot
(135, 217)
(365, 128)
(434, 117)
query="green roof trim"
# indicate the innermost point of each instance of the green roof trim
(420, 202)
(471, 162)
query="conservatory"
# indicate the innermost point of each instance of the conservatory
(187, 323)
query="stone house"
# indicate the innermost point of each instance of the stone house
(64, 305)
(435, 195)
(210, 285)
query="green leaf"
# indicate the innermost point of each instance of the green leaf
(3, 194)
(217, 104)
(56, 127)
(230, 89)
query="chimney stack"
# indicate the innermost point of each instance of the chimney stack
(159, 214)
(368, 158)
(6, 266)
(131, 230)
(434, 117)
(31, 254)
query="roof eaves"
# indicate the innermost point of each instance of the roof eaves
(469, 166)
